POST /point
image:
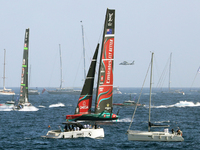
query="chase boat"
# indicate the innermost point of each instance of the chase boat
(76, 130)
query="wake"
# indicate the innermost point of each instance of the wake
(57, 105)
(179, 104)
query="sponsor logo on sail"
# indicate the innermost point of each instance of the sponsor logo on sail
(26, 36)
(110, 19)
(22, 80)
(108, 108)
(22, 72)
(23, 63)
(110, 54)
(84, 106)
(101, 78)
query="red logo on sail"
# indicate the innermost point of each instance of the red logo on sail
(101, 78)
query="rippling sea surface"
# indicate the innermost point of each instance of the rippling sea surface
(23, 129)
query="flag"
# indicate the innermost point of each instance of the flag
(43, 90)
(109, 31)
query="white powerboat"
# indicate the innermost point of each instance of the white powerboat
(76, 130)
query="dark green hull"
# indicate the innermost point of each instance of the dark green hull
(104, 116)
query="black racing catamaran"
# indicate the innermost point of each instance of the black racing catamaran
(104, 94)
(24, 104)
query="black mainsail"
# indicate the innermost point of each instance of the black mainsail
(104, 97)
(85, 100)
(24, 75)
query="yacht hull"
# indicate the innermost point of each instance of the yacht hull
(90, 133)
(92, 117)
(65, 92)
(7, 93)
(154, 136)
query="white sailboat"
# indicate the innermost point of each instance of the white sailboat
(152, 135)
(5, 91)
(178, 91)
(62, 90)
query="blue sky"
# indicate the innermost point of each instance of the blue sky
(162, 27)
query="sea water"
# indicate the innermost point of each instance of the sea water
(23, 129)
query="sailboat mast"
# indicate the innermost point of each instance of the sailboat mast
(4, 70)
(61, 80)
(150, 92)
(83, 52)
(170, 71)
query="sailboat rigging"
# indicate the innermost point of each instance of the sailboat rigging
(62, 90)
(83, 51)
(5, 91)
(104, 94)
(32, 91)
(154, 136)
(169, 82)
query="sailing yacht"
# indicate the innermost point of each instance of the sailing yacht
(24, 104)
(154, 136)
(169, 82)
(5, 91)
(62, 90)
(104, 94)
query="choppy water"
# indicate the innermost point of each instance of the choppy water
(23, 130)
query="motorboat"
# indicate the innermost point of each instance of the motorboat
(128, 103)
(76, 130)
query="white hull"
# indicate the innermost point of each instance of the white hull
(25, 107)
(7, 93)
(91, 133)
(33, 93)
(153, 136)
(6, 107)
(75, 92)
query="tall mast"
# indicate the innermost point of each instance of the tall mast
(150, 92)
(170, 71)
(4, 70)
(83, 51)
(61, 80)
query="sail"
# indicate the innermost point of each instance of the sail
(104, 96)
(85, 100)
(24, 76)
